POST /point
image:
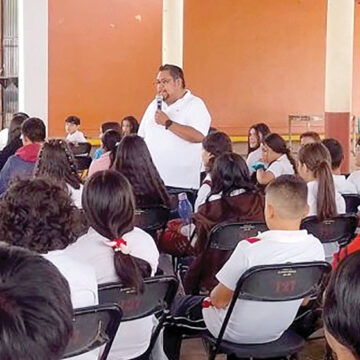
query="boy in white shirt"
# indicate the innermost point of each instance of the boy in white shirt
(72, 126)
(342, 185)
(252, 321)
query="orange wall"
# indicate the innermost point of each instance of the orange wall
(102, 60)
(249, 60)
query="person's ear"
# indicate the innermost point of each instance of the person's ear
(306, 211)
(270, 211)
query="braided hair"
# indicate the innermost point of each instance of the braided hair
(56, 161)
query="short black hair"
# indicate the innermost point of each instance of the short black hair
(336, 152)
(342, 304)
(34, 129)
(288, 194)
(175, 71)
(35, 307)
(110, 125)
(72, 119)
(312, 134)
(39, 214)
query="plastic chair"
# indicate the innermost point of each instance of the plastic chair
(152, 218)
(279, 283)
(340, 229)
(94, 326)
(83, 148)
(226, 236)
(159, 292)
(352, 202)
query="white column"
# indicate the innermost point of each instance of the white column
(172, 32)
(33, 58)
(339, 55)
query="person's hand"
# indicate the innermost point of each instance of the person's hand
(161, 117)
(258, 165)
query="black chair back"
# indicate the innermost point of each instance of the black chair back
(340, 229)
(352, 202)
(94, 326)
(226, 236)
(82, 162)
(82, 148)
(283, 282)
(152, 218)
(159, 292)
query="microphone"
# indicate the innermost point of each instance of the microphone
(159, 99)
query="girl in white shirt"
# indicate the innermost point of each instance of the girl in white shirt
(213, 145)
(256, 135)
(315, 168)
(278, 156)
(56, 161)
(118, 251)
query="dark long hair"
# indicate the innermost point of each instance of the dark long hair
(317, 159)
(109, 206)
(216, 144)
(110, 140)
(276, 143)
(15, 126)
(133, 122)
(261, 130)
(133, 160)
(229, 173)
(342, 303)
(57, 162)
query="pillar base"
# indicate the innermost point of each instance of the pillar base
(337, 125)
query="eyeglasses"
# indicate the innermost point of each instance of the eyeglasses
(162, 82)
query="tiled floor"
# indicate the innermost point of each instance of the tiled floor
(193, 349)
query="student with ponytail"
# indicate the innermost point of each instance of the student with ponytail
(118, 251)
(277, 155)
(56, 161)
(315, 168)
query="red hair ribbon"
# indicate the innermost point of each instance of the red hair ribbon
(120, 245)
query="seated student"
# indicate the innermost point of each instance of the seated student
(341, 309)
(285, 207)
(134, 161)
(337, 156)
(39, 215)
(109, 125)
(118, 251)
(72, 126)
(278, 156)
(110, 139)
(56, 161)
(256, 135)
(309, 137)
(315, 168)
(213, 145)
(129, 125)
(14, 141)
(35, 307)
(354, 177)
(232, 198)
(21, 165)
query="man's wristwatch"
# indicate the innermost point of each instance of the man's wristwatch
(168, 123)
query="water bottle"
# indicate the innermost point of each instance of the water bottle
(185, 212)
(184, 209)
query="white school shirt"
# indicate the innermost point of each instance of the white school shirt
(177, 160)
(253, 321)
(76, 137)
(76, 195)
(343, 186)
(83, 286)
(312, 197)
(354, 178)
(203, 192)
(281, 166)
(253, 158)
(133, 337)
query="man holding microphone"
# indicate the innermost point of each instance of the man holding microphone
(173, 127)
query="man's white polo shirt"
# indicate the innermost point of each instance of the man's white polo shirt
(177, 160)
(253, 321)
